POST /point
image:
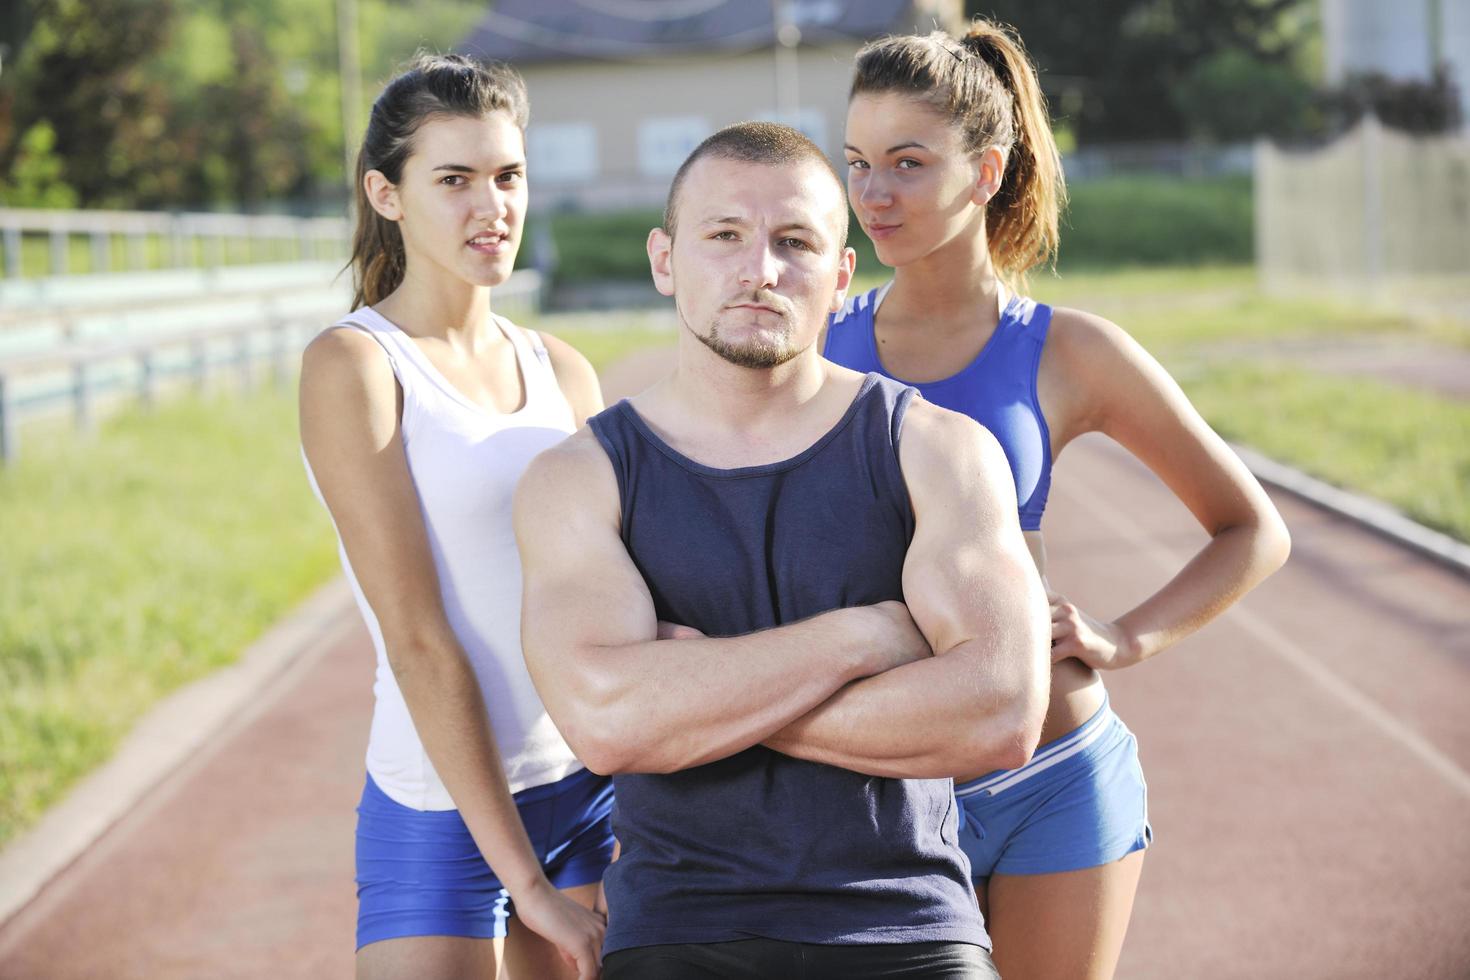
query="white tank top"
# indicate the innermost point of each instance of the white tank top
(465, 462)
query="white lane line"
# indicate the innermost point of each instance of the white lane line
(1292, 653)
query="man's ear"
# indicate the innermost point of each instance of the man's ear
(661, 260)
(382, 194)
(844, 279)
(992, 172)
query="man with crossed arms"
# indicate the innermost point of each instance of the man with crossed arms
(713, 575)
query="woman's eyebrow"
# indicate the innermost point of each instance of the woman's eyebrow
(892, 149)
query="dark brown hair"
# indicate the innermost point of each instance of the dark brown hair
(433, 85)
(766, 143)
(986, 84)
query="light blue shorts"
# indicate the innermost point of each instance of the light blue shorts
(419, 872)
(1080, 802)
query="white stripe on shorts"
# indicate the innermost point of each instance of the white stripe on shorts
(1059, 751)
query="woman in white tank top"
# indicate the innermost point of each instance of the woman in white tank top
(418, 413)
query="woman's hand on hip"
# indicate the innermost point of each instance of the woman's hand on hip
(1074, 634)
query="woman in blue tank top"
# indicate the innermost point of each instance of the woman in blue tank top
(953, 173)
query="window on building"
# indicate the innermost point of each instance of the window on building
(561, 153)
(663, 144)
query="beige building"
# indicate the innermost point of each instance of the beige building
(622, 90)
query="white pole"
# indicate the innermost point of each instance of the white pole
(788, 36)
(347, 66)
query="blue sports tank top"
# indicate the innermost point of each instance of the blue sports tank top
(997, 389)
(760, 844)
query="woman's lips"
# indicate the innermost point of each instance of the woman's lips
(489, 244)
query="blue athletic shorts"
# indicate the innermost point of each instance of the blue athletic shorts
(1080, 802)
(419, 872)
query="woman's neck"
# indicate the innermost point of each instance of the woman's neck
(956, 282)
(452, 310)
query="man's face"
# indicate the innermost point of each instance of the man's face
(756, 262)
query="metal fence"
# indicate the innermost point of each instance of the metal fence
(89, 372)
(55, 243)
(69, 360)
(1377, 215)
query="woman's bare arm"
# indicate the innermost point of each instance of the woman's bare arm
(1102, 380)
(350, 421)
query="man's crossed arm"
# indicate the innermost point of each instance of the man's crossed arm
(853, 687)
(973, 589)
(627, 701)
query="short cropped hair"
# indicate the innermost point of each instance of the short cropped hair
(766, 143)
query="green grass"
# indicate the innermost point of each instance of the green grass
(1141, 286)
(1157, 221)
(1409, 448)
(1223, 339)
(137, 560)
(151, 553)
(604, 336)
(1179, 308)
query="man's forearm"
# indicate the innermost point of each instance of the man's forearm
(942, 717)
(666, 705)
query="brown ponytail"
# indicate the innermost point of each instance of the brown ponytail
(434, 85)
(987, 86)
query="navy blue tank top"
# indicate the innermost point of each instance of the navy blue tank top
(997, 389)
(760, 844)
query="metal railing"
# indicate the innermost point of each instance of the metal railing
(70, 324)
(73, 376)
(93, 370)
(151, 238)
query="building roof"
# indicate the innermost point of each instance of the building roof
(529, 31)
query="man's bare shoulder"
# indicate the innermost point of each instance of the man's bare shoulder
(577, 463)
(568, 511)
(947, 441)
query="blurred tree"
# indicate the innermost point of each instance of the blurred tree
(36, 175)
(79, 71)
(1233, 95)
(234, 134)
(196, 103)
(1111, 68)
(1419, 107)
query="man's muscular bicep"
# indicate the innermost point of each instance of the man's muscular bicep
(581, 590)
(968, 561)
